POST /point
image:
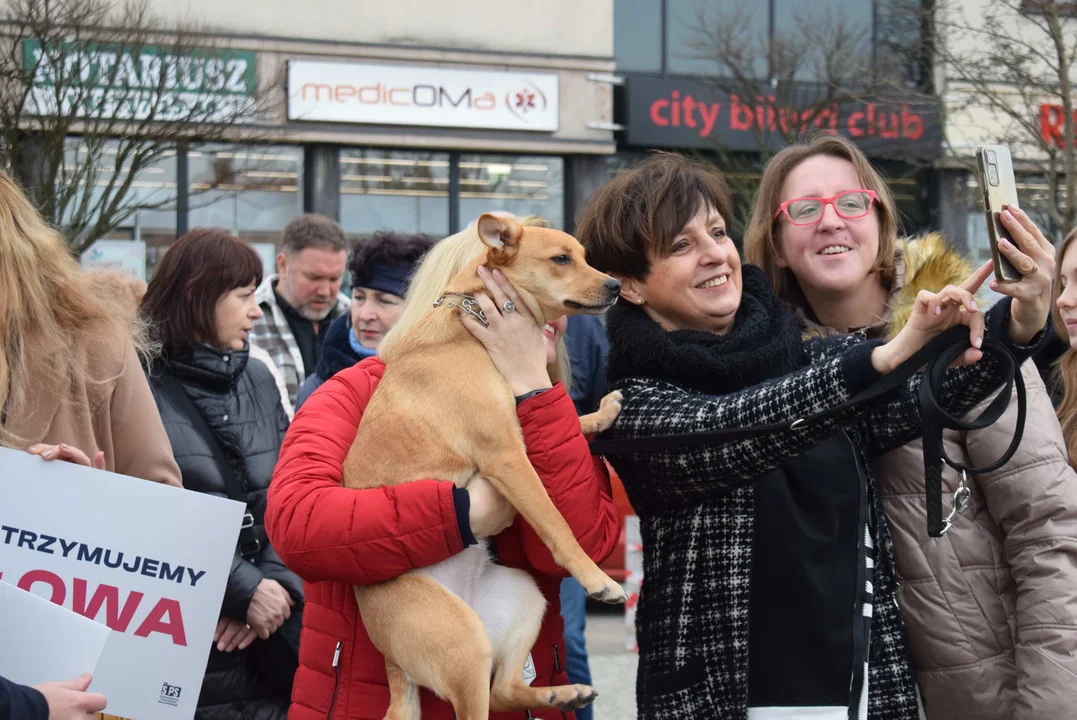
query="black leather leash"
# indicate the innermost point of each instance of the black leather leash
(936, 356)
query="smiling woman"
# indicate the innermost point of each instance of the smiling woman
(737, 528)
(823, 229)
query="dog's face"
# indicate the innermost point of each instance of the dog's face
(549, 266)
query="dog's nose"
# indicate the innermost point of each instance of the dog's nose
(613, 287)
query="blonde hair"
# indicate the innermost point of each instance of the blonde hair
(47, 303)
(433, 274)
(1066, 366)
(762, 239)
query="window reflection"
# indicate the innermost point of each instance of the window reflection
(637, 41)
(152, 196)
(400, 191)
(251, 191)
(520, 184)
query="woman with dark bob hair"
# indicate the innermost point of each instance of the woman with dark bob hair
(380, 268)
(763, 598)
(224, 419)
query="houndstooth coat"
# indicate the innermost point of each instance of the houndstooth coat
(697, 506)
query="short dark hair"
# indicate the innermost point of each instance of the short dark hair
(639, 213)
(386, 247)
(180, 304)
(313, 231)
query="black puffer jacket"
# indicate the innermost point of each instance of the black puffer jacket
(241, 406)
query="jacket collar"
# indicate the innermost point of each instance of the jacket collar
(210, 367)
(265, 295)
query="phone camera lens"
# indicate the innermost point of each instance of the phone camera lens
(990, 156)
(992, 174)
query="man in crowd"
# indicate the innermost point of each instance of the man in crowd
(303, 298)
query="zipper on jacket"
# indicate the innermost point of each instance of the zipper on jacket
(556, 660)
(859, 649)
(336, 680)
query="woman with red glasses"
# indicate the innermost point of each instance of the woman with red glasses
(759, 597)
(991, 607)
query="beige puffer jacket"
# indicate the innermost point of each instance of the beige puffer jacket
(991, 607)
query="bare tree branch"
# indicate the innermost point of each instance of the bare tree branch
(95, 93)
(1011, 65)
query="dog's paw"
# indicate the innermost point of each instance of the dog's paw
(611, 404)
(610, 593)
(607, 412)
(572, 697)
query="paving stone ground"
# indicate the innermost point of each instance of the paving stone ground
(613, 667)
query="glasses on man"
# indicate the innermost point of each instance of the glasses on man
(851, 204)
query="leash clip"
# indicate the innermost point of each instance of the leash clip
(467, 305)
(961, 503)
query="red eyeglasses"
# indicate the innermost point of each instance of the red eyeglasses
(851, 204)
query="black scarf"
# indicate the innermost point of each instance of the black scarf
(764, 343)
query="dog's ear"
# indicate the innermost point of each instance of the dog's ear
(499, 233)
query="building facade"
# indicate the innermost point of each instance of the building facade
(683, 65)
(409, 116)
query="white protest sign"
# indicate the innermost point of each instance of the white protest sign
(149, 561)
(53, 642)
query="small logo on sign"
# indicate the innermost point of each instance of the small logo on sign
(526, 101)
(170, 695)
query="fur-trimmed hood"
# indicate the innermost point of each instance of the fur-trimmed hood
(926, 262)
(930, 264)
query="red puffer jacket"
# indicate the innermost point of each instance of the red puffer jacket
(335, 538)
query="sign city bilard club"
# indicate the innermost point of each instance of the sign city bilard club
(681, 113)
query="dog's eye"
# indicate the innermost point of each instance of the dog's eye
(562, 259)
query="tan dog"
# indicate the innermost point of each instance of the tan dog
(442, 410)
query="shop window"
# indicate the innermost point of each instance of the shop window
(899, 45)
(130, 247)
(637, 35)
(390, 190)
(250, 191)
(831, 40)
(520, 184)
(697, 31)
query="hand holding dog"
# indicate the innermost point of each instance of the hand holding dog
(490, 511)
(514, 339)
(269, 608)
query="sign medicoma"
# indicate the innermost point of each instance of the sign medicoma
(140, 82)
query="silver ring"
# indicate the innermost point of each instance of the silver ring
(509, 306)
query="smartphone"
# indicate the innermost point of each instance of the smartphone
(999, 190)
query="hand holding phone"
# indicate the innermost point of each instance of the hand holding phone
(999, 191)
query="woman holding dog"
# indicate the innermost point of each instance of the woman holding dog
(991, 608)
(336, 538)
(225, 424)
(763, 597)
